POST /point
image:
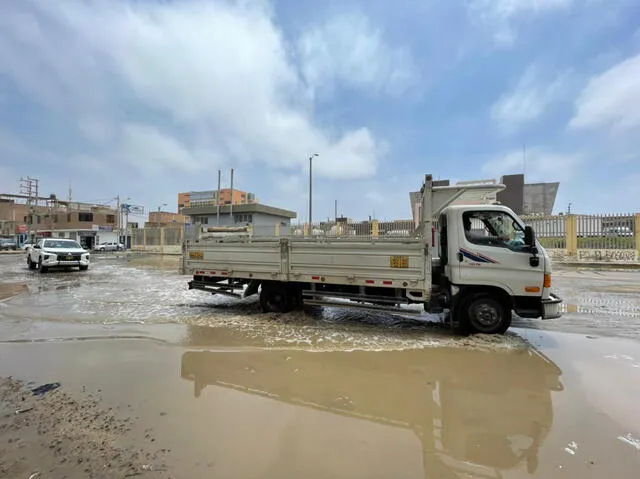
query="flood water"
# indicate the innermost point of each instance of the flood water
(236, 393)
(149, 290)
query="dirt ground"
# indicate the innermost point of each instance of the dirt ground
(57, 435)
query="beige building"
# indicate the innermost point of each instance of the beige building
(159, 219)
(87, 223)
(209, 197)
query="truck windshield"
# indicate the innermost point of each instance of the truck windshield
(493, 228)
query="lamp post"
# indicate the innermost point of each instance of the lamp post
(311, 189)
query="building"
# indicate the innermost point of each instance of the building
(163, 219)
(227, 197)
(263, 218)
(528, 199)
(87, 223)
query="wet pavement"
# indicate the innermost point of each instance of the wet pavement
(231, 392)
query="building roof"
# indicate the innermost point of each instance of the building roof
(212, 209)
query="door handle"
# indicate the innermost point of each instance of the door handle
(460, 257)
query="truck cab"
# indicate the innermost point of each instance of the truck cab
(490, 263)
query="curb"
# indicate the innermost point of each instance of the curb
(597, 265)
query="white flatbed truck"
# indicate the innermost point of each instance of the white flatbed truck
(473, 263)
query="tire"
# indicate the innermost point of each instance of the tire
(84, 268)
(485, 313)
(275, 298)
(42, 269)
(30, 263)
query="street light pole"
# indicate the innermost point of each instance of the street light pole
(311, 189)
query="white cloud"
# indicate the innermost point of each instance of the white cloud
(192, 84)
(154, 151)
(611, 99)
(503, 16)
(348, 49)
(529, 99)
(538, 165)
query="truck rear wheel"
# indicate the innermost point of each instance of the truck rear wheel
(275, 298)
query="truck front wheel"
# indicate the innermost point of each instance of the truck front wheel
(275, 298)
(485, 314)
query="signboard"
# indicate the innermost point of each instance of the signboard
(105, 228)
(132, 209)
(399, 262)
(95, 227)
(21, 229)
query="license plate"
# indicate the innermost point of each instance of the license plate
(196, 255)
(68, 258)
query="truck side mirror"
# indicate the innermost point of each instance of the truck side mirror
(529, 237)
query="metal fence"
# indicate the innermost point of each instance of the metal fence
(606, 231)
(613, 232)
(378, 229)
(591, 231)
(551, 231)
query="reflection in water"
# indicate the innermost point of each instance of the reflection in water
(474, 412)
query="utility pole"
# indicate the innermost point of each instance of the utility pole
(231, 205)
(218, 196)
(335, 211)
(119, 218)
(311, 190)
(29, 187)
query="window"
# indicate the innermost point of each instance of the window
(61, 235)
(68, 217)
(55, 218)
(111, 219)
(85, 217)
(244, 218)
(38, 219)
(493, 228)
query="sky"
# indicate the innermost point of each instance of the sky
(148, 98)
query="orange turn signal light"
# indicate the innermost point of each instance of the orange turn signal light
(547, 280)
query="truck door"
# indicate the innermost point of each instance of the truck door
(490, 250)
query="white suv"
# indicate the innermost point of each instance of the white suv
(51, 253)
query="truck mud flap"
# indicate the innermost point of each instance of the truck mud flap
(252, 288)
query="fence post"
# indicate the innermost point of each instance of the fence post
(144, 238)
(571, 235)
(375, 228)
(162, 240)
(636, 233)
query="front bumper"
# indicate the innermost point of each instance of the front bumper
(56, 262)
(552, 307)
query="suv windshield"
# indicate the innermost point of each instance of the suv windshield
(61, 244)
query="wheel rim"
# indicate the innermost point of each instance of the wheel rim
(486, 315)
